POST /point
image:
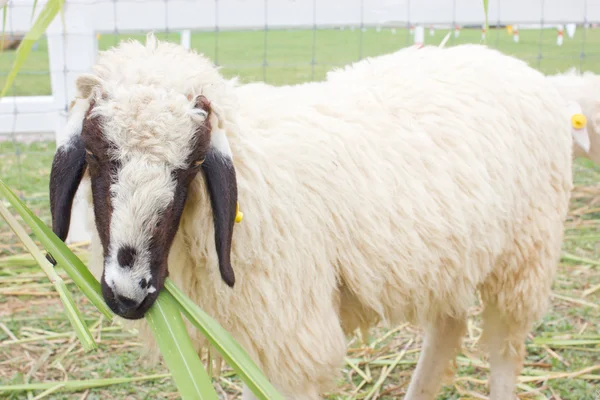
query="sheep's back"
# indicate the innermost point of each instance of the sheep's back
(407, 177)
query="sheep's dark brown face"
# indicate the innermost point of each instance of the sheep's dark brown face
(137, 207)
(138, 202)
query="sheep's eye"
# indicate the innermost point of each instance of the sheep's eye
(90, 154)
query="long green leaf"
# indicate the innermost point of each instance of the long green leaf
(4, 14)
(75, 317)
(226, 345)
(51, 8)
(33, 9)
(485, 11)
(77, 385)
(177, 349)
(81, 276)
(570, 257)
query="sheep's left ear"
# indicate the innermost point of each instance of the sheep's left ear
(579, 129)
(221, 183)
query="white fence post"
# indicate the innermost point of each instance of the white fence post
(71, 51)
(186, 38)
(419, 36)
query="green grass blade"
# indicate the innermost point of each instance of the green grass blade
(582, 260)
(72, 265)
(75, 317)
(566, 342)
(33, 9)
(485, 11)
(77, 385)
(226, 345)
(51, 8)
(177, 349)
(4, 14)
(25, 260)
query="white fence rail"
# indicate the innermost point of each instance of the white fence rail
(72, 48)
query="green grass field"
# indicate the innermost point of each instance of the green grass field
(35, 340)
(289, 55)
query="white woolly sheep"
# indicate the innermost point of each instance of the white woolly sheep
(393, 191)
(583, 89)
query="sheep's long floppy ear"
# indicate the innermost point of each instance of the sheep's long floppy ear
(69, 163)
(222, 188)
(67, 170)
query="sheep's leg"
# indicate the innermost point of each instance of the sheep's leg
(505, 343)
(515, 296)
(440, 346)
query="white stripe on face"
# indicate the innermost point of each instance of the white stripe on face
(140, 194)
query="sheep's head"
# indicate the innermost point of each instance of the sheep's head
(142, 147)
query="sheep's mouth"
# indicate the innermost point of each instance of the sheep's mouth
(131, 313)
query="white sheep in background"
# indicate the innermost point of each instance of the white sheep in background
(583, 90)
(393, 192)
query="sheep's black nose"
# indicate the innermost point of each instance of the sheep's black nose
(125, 306)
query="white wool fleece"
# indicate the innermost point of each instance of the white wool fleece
(392, 191)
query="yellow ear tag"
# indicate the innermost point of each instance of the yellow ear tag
(238, 215)
(578, 121)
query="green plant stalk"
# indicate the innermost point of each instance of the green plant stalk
(77, 385)
(485, 12)
(571, 257)
(81, 329)
(226, 345)
(4, 15)
(51, 8)
(24, 260)
(565, 342)
(177, 349)
(33, 9)
(75, 317)
(72, 265)
(29, 244)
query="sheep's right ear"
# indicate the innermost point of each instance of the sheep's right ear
(67, 170)
(221, 183)
(69, 162)
(222, 189)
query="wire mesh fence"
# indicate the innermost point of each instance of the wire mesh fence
(280, 55)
